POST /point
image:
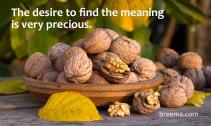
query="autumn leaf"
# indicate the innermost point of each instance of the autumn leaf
(198, 98)
(69, 107)
(129, 23)
(12, 87)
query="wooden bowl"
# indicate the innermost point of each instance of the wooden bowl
(101, 95)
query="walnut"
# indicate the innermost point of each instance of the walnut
(78, 67)
(48, 76)
(96, 78)
(127, 49)
(189, 87)
(145, 68)
(59, 63)
(167, 56)
(207, 73)
(78, 43)
(62, 78)
(173, 95)
(190, 60)
(146, 102)
(36, 64)
(115, 70)
(112, 34)
(197, 77)
(57, 50)
(72, 52)
(119, 109)
(102, 58)
(159, 66)
(131, 79)
(168, 73)
(98, 41)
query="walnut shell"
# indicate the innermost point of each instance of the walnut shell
(96, 78)
(168, 73)
(36, 64)
(112, 34)
(159, 66)
(57, 50)
(189, 87)
(145, 68)
(115, 71)
(127, 49)
(102, 58)
(78, 43)
(197, 77)
(71, 52)
(131, 79)
(173, 95)
(190, 60)
(61, 78)
(48, 76)
(59, 63)
(98, 41)
(78, 67)
(207, 73)
(146, 102)
(167, 56)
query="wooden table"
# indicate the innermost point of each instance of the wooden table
(21, 110)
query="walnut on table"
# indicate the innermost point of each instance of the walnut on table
(119, 109)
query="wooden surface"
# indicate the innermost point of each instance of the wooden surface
(21, 110)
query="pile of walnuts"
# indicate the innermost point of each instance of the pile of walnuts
(102, 57)
(182, 74)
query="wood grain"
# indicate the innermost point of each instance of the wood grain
(26, 114)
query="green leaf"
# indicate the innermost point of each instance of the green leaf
(5, 11)
(4, 71)
(36, 3)
(18, 39)
(184, 12)
(12, 87)
(41, 41)
(148, 50)
(5, 47)
(142, 35)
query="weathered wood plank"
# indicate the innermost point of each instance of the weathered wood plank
(27, 115)
(20, 101)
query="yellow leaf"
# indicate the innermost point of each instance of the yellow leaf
(198, 98)
(12, 87)
(129, 23)
(69, 107)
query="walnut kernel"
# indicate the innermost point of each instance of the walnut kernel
(119, 109)
(146, 102)
(115, 70)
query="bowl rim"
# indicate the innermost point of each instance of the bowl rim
(147, 84)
